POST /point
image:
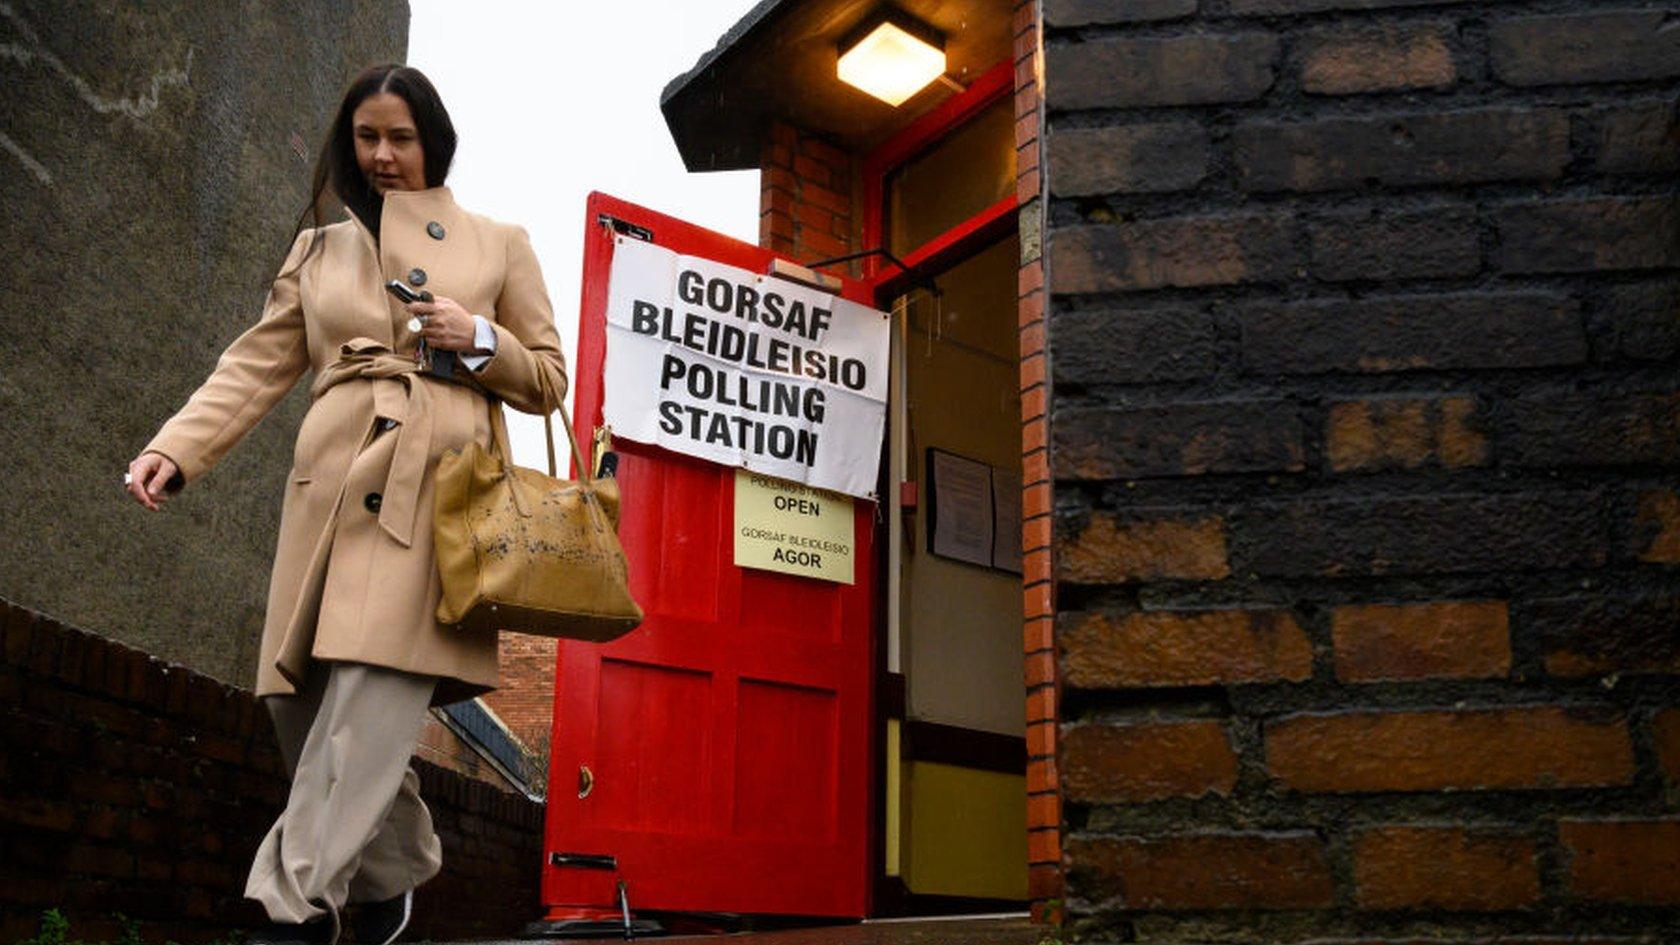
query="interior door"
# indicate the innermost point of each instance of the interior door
(719, 753)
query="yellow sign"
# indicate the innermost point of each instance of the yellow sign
(793, 528)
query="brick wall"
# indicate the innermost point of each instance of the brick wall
(525, 703)
(1365, 405)
(132, 785)
(806, 188)
(1044, 814)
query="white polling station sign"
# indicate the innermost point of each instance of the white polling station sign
(744, 369)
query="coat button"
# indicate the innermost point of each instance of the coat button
(434, 229)
(371, 501)
(417, 276)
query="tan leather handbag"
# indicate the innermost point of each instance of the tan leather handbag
(528, 553)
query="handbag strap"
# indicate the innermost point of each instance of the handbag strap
(499, 433)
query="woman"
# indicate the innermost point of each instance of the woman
(352, 654)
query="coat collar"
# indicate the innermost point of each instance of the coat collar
(429, 203)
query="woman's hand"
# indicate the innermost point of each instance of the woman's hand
(148, 476)
(445, 324)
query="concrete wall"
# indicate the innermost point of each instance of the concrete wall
(1365, 400)
(153, 158)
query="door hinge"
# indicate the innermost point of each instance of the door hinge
(625, 227)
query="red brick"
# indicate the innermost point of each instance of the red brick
(1041, 775)
(1032, 371)
(1044, 810)
(820, 245)
(808, 215)
(778, 155)
(1038, 634)
(1634, 861)
(1434, 750)
(1041, 704)
(1147, 761)
(1105, 550)
(1430, 867)
(1657, 526)
(1040, 668)
(1035, 600)
(1029, 278)
(1284, 870)
(1035, 467)
(1026, 187)
(1044, 881)
(1378, 60)
(1035, 500)
(1036, 533)
(831, 200)
(1437, 640)
(807, 168)
(1400, 432)
(1033, 403)
(1026, 129)
(1034, 435)
(775, 223)
(1044, 845)
(1030, 308)
(1665, 735)
(1041, 739)
(1032, 339)
(1183, 648)
(834, 157)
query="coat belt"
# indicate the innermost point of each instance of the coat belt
(400, 392)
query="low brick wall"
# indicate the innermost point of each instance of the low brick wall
(132, 785)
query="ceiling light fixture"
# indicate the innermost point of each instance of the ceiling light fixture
(891, 55)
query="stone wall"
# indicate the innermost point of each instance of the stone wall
(155, 158)
(137, 786)
(1365, 395)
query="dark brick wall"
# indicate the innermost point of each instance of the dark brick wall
(132, 785)
(1365, 432)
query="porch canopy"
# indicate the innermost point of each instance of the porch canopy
(779, 64)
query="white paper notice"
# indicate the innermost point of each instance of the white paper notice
(744, 369)
(962, 508)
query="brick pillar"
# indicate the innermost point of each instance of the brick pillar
(805, 198)
(1366, 435)
(1044, 813)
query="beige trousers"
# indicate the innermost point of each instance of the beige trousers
(354, 828)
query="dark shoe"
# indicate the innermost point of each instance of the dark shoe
(316, 932)
(379, 923)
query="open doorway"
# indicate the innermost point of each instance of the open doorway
(952, 727)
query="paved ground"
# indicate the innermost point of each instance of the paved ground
(1009, 930)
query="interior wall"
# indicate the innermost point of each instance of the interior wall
(962, 622)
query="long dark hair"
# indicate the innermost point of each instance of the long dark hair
(336, 166)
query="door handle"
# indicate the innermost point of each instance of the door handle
(586, 781)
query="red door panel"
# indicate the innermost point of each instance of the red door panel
(728, 736)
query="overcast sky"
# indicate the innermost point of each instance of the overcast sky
(554, 100)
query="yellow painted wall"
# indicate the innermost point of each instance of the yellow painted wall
(967, 832)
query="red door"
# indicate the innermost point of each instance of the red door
(720, 753)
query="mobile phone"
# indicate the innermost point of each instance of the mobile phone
(405, 294)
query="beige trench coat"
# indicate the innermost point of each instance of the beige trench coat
(354, 572)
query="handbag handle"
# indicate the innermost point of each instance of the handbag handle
(499, 435)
